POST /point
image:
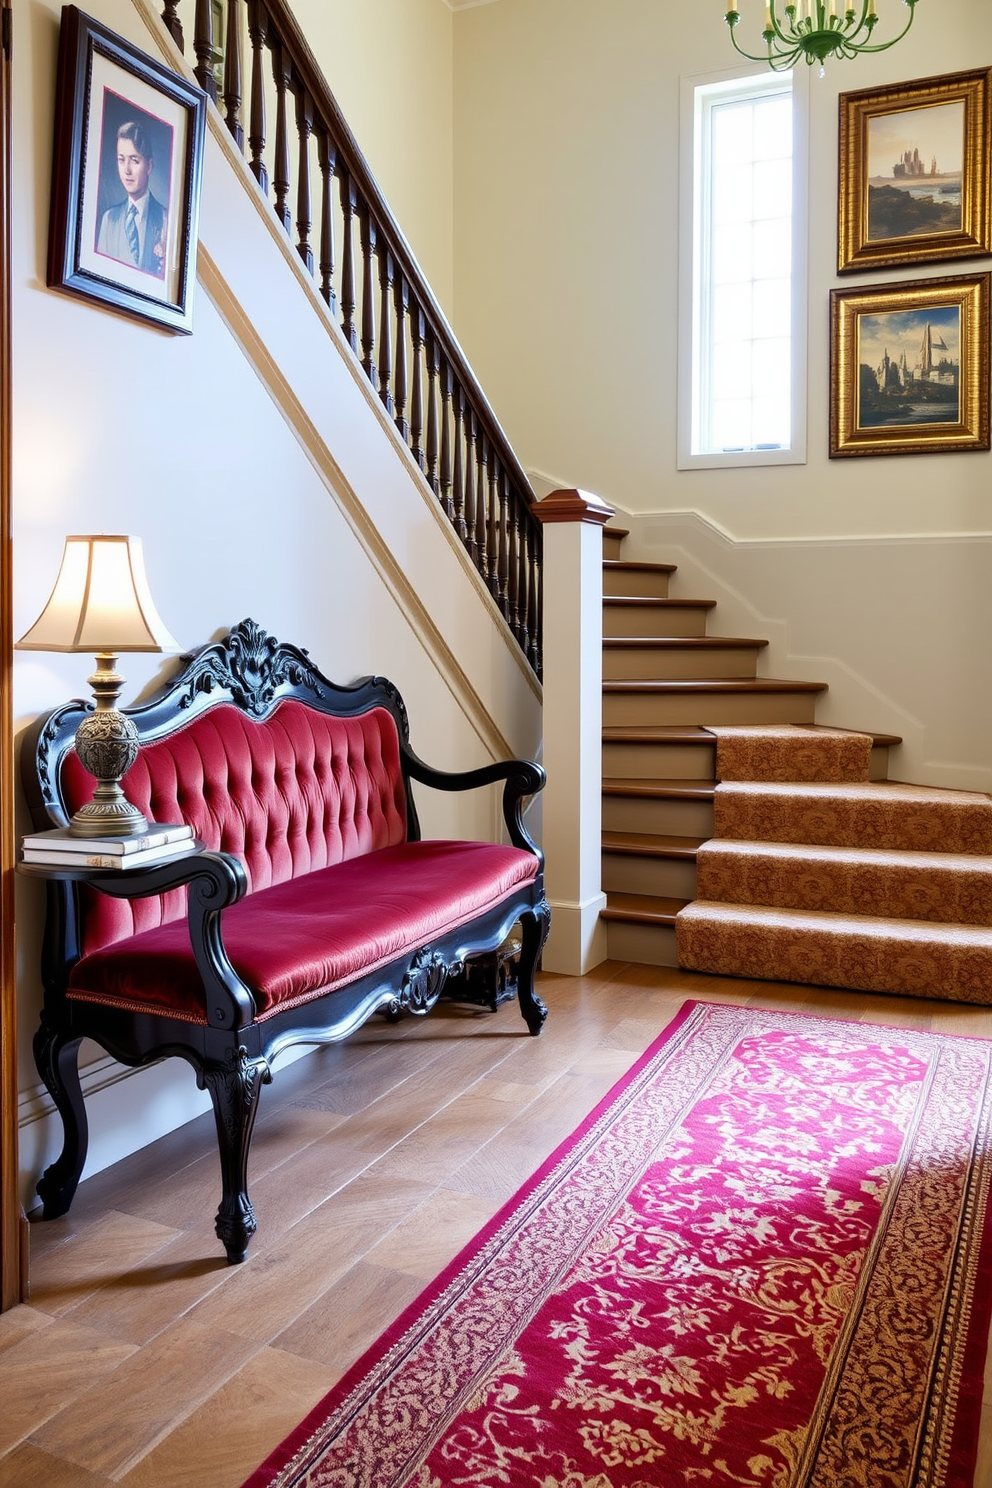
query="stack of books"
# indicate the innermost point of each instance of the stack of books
(60, 849)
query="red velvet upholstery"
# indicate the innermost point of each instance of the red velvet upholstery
(314, 933)
(299, 792)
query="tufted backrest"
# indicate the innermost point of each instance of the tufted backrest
(300, 791)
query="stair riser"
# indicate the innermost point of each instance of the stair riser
(659, 761)
(696, 708)
(653, 620)
(882, 823)
(881, 961)
(612, 546)
(647, 945)
(666, 818)
(662, 663)
(665, 878)
(918, 893)
(640, 582)
(878, 762)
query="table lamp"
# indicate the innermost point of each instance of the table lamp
(101, 603)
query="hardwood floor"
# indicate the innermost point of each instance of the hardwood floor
(143, 1359)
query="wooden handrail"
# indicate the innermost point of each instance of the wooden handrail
(374, 287)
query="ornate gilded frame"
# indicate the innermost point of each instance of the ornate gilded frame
(863, 245)
(873, 410)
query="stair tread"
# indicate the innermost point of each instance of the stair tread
(611, 531)
(890, 790)
(638, 566)
(682, 643)
(695, 733)
(827, 922)
(652, 844)
(666, 790)
(658, 733)
(642, 909)
(715, 684)
(651, 599)
(883, 857)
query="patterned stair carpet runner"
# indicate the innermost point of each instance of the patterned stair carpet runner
(759, 1261)
(788, 751)
(876, 886)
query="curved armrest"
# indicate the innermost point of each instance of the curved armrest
(215, 880)
(523, 778)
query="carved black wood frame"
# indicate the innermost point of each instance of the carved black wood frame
(232, 1053)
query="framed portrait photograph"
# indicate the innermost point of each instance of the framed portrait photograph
(914, 172)
(909, 367)
(125, 177)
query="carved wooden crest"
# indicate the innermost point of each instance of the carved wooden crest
(251, 665)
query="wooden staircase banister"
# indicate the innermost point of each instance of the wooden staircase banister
(375, 289)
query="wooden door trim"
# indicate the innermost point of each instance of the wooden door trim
(12, 1249)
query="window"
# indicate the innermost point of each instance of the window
(742, 337)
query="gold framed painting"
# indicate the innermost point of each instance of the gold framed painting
(914, 172)
(909, 367)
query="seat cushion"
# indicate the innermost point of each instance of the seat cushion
(314, 933)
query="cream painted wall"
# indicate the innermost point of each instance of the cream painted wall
(388, 63)
(265, 480)
(566, 223)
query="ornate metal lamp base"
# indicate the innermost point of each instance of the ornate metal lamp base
(107, 746)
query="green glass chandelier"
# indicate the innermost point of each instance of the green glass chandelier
(813, 30)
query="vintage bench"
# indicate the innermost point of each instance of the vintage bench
(314, 904)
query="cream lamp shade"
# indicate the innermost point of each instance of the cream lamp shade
(101, 604)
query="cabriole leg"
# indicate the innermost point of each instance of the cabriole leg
(534, 927)
(234, 1090)
(58, 1064)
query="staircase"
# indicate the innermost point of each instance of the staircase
(664, 678)
(804, 864)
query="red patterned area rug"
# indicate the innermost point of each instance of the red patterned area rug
(763, 1260)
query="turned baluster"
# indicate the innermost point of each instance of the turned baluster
(368, 292)
(349, 206)
(385, 326)
(433, 373)
(257, 30)
(327, 156)
(537, 628)
(492, 573)
(281, 71)
(504, 545)
(417, 385)
(232, 74)
(513, 571)
(304, 205)
(203, 46)
(481, 507)
(400, 377)
(458, 481)
(523, 586)
(532, 573)
(471, 474)
(446, 384)
(173, 24)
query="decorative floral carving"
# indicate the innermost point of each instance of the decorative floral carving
(251, 665)
(423, 983)
(107, 744)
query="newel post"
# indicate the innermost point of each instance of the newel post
(573, 524)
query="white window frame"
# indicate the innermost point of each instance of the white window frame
(691, 227)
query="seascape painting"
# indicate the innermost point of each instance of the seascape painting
(909, 367)
(915, 166)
